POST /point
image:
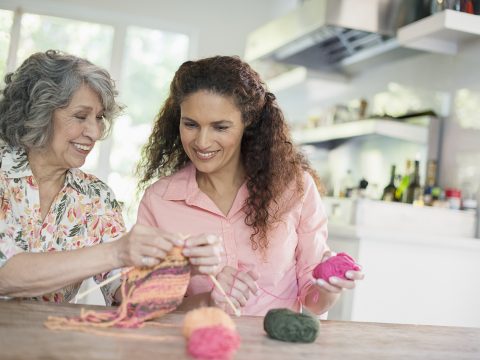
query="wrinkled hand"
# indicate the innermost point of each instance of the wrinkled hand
(336, 284)
(237, 284)
(204, 252)
(145, 246)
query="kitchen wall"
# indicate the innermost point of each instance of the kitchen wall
(445, 79)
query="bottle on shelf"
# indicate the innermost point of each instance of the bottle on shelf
(401, 191)
(390, 189)
(467, 6)
(414, 190)
(437, 6)
(431, 191)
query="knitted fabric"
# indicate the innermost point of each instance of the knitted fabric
(147, 293)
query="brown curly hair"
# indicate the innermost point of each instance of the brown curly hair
(272, 163)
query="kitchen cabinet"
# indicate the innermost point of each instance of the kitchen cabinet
(444, 32)
(420, 264)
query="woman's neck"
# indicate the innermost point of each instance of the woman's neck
(44, 171)
(223, 182)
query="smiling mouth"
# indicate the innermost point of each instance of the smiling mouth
(82, 147)
(206, 155)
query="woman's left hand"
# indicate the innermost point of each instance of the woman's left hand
(336, 284)
(204, 252)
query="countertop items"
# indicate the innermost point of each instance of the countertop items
(23, 336)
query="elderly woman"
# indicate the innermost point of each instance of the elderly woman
(226, 165)
(57, 223)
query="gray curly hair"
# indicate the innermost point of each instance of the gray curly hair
(43, 83)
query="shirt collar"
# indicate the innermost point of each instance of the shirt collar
(183, 187)
(14, 163)
(183, 184)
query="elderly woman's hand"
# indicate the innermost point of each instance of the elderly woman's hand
(145, 246)
(204, 252)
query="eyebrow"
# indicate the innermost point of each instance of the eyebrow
(87, 108)
(215, 122)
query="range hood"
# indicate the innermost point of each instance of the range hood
(338, 35)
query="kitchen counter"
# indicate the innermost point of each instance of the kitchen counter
(421, 263)
(23, 336)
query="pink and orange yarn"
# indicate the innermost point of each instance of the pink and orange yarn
(147, 293)
(210, 334)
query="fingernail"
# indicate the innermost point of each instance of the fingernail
(321, 282)
(348, 275)
(333, 280)
(178, 242)
(186, 252)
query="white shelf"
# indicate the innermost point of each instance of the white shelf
(394, 129)
(444, 32)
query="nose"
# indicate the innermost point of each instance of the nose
(203, 140)
(93, 129)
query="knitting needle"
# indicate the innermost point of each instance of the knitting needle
(103, 283)
(216, 283)
(219, 287)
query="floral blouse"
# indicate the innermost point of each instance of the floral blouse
(84, 213)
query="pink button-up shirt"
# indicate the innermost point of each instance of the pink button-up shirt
(296, 243)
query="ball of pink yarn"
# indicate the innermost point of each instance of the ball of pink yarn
(335, 266)
(213, 343)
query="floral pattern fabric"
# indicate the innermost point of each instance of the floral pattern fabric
(84, 213)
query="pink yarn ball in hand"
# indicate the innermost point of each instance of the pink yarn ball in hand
(213, 343)
(335, 266)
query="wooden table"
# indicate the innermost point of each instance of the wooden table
(23, 336)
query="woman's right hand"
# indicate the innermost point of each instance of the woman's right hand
(145, 246)
(237, 284)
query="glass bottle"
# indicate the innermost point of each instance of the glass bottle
(389, 191)
(467, 6)
(401, 192)
(437, 6)
(414, 191)
(429, 193)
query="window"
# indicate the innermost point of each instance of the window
(143, 75)
(150, 61)
(89, 40)
(6, 21)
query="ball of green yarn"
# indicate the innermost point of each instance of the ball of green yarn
(287, 325)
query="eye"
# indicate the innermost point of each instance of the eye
(221, 127)
(189, 124)
(101, 118)
(81, 117)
